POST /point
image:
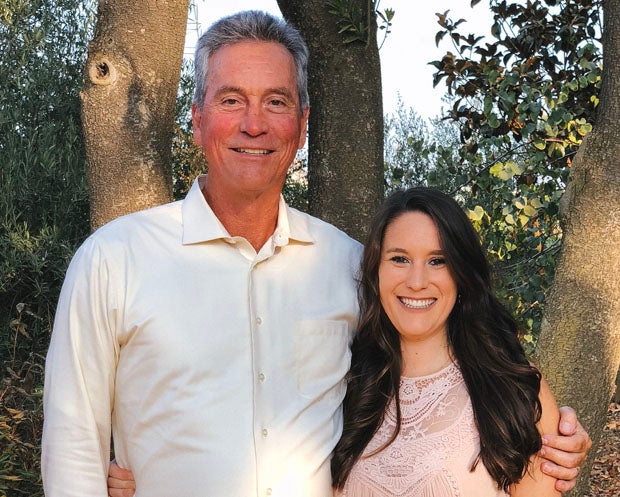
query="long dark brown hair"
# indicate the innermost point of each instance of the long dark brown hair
(483, 340)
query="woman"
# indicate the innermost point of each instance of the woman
(441, 399)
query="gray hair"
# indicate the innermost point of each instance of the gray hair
(248, 26)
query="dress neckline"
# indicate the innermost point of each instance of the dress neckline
(411, 379)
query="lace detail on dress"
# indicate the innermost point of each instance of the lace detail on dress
(434, 450)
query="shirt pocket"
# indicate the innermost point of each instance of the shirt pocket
(322, 357)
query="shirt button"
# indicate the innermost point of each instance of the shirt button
(265, 432)
(261, 377)
(259, 320)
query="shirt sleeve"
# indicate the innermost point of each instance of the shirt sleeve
(79, 380)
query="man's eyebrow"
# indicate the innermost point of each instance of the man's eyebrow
(285, 92)
(227, 89)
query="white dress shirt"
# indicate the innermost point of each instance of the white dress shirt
(220, 370)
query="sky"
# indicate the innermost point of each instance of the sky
(405, 55)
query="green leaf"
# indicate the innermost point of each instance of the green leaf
(488, 104)
(439, 36)
(493, 75)
(536, 203)
(496, 30)
(493, 121)
(593, 77)
(584, 129)
(508, 97)
(496, 169)
(512, 77)
(514, 167)
(556, 150)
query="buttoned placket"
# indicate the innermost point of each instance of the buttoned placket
(263, 438)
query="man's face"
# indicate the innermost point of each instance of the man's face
(250, 125)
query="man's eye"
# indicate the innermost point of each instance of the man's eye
(277, 102)
(230, 101)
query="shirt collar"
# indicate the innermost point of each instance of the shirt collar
(200, 224)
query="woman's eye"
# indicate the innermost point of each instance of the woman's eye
(437, 261)
(399, 259)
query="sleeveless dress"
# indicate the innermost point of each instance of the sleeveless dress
(433, 453)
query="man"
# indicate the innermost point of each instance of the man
(211, 335)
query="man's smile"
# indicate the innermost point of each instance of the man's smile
(253, 151)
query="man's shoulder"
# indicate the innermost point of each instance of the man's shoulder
(158, 215)
(155, 221)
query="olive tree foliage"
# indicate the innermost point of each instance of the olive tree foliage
(43, 208)
(187, 158)
(417, 152)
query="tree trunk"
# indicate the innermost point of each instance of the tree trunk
(579, 346)
(345, 157)
(128, 102)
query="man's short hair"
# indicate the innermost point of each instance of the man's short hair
(251, 25)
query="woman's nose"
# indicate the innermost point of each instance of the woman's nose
(417, 277)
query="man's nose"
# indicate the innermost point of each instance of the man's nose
(254, 122)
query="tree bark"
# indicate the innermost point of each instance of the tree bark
(128, 103)
(345, 152)
(579, 346)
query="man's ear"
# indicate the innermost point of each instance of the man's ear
(196, 123)
(304, 127)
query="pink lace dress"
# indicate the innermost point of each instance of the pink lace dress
(433, 453)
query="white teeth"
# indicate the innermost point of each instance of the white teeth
(417, 303)
(254, 151)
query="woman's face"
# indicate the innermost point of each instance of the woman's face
(416, 288)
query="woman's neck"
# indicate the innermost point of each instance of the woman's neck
(425, 357)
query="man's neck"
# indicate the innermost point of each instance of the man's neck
(253, 217)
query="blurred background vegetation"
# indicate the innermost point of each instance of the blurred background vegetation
(43, 209)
